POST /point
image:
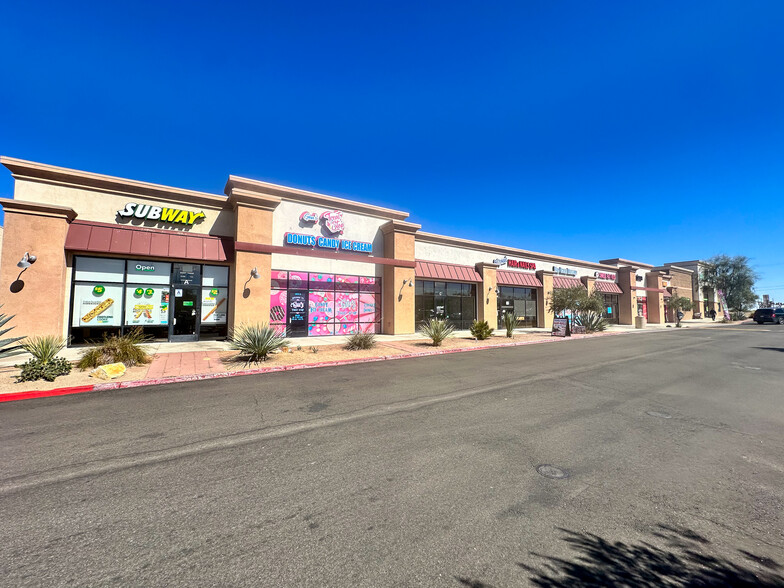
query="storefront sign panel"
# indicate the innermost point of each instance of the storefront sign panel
(160, 213)
(527, 265)
(604, 276)
(564, 271)
(332, 243)
(559, 327)
(97, 305)
(151, 272)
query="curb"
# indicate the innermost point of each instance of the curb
(11, 396)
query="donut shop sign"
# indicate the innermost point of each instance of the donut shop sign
(333, 223)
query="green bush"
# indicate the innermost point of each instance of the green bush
(255, 342)
(115, 349)
(5, 350)
(738, 315)
(481, 330)
(592, 321)
(35, 369)
(359, 341)
(437, 330)
(44, 348)
(510, 322)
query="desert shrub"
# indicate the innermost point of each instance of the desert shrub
(510, 322)
(35, 369)
(8, 346)
(125, 348)
(44, 348)
(255, 342)
(592, 321)
(359, 341)
(481, 330)
(738, 315)
(437, 330)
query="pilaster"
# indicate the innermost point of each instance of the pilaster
(545, 316)
(398, 297)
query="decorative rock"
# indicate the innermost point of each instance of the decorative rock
(108, 371)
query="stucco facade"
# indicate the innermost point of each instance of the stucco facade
(113, 254)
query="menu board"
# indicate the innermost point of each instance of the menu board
(214, 304)
(147, 304)
(97, 305)
(559, 327)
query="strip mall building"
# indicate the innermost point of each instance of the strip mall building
(112, 254)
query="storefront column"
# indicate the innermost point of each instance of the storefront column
(37, 297)
(398, 316)
(627, 302)
(589, 282)
(252, 225)
(487, 299)
(545, 315)
(655, 299)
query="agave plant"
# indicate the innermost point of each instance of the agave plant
(7, 347)
(44, 348)
(481, 330)
(592, 321)
(510, 322)
(255, 342)
(437, 330)
(359, 341)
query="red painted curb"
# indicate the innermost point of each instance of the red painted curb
(282, 368)
(44, 393)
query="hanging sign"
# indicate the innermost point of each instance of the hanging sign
(160, 213)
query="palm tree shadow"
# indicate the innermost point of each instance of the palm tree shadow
(682, 563)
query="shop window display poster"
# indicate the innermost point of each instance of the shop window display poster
(346, 283)
(346, 328)
(321, 329)
(147, 304)
(214, 304)
(97, 305)
(280, 279)
(369, 328)
(325, 281)
(369, 285)
(298, 280)
(278, 306)
(368, 308)
(346, 307)
(321, 307)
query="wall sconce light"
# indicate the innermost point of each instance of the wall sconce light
(254, 273)
(498, 290)
(26, 261)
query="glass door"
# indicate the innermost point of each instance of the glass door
(185, 313)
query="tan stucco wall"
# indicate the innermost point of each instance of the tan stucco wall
(39, 304)
(627, 302)
(97, 206)
(398, 299)
(681, 285)
(486, 298)
(655, 299)
(545, 316)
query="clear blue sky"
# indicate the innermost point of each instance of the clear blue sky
(652, 131)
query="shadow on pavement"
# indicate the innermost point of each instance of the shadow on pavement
(682, 564)
(770, 348)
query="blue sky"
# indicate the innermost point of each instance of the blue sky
(651, 131)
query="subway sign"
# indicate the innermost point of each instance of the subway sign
(160, 213)
(328, 243)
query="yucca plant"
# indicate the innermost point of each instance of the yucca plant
(359, 341)
(255, 342)
(125, 349)
(592, 321)
(481, 330)
(510, 322)
(7, 346)
(437, 330)
(44, 348)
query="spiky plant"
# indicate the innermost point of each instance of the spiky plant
(481, 330)
(44, 348)
(592, 321)
(125, 349)
(255, 342)
(510, 322)
(7, 346)
(437, 330)
(359, 341)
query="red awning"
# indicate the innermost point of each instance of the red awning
(562, 282)
(446, 271)
(104, 238)
(507, 278)
(667, 294)
(607, 287)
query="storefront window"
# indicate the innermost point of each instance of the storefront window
(112, 296)
(317, 305)
(519, 301)
(611, 308)
(453, 301)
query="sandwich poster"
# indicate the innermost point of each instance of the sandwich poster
(97, 305)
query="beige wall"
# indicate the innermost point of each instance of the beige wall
(398, 299)
(545, 316)
(37, 300)
(627, 302)
(655, 299)
(486, 298)
(681, 285)
(98, 206)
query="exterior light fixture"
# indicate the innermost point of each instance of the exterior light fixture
(411, 283)
(254, 273)
(26, 261)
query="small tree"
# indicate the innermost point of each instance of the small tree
(677, 304)
(734, 277)
(575, 300)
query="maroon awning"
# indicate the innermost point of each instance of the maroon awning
(562, 282)
(607, 287)
(507, 278)
(446, 271)
(104, 238)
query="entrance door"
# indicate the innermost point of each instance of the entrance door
(297, 319)
(185, 314)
